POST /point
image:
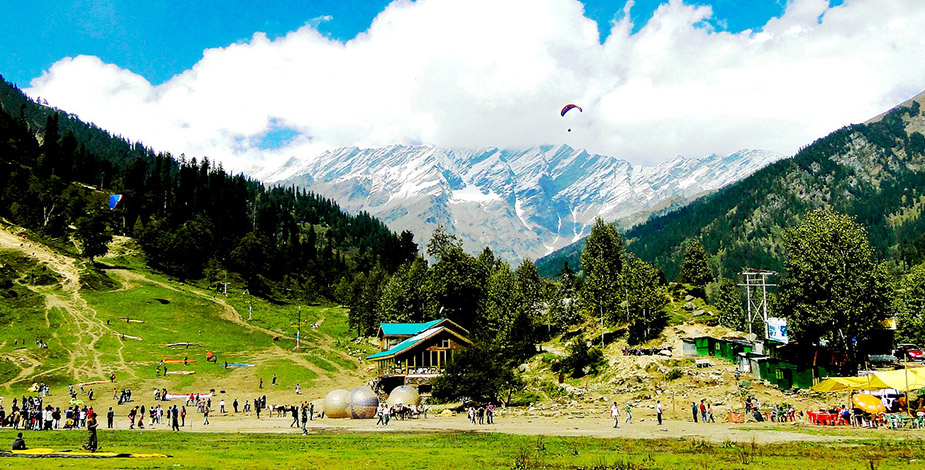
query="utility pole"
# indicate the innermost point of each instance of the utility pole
(755, 279)
(298, 331)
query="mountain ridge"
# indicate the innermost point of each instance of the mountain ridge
(523, 203)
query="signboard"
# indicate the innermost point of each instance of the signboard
(777, 330)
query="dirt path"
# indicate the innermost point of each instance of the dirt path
(83, 324)
(598, 426)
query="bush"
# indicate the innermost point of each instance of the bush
(582, 360)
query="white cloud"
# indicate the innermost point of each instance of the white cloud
(495, 73)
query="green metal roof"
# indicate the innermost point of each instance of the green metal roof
(406, 329)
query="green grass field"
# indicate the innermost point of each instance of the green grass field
(455, 450)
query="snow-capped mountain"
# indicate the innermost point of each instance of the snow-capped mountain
(521, 203)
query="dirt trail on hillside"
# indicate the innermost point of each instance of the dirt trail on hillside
(81, 320)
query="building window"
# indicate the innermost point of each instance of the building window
(445, 343)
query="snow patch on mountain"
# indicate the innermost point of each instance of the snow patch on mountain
(520, 202)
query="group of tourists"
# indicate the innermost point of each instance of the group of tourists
(705, 410)
(482, 414)
(615, 414)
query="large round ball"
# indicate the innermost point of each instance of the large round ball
(404, 395)
(363, 403)
(337, 404)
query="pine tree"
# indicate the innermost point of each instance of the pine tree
(695, 269)
(602, 262)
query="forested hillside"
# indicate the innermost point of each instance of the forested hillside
(871, 171)
(192, 218)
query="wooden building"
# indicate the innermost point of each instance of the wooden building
(418, 349)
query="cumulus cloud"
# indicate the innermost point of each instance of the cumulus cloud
(477, 73)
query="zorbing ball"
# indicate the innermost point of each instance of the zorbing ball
(363, 403)
(337, 404)
(404, 395)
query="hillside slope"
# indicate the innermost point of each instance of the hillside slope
(121, 319)
(872, 171)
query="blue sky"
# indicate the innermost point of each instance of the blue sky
(159, 39)
(253, 83)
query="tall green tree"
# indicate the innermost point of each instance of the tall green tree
(94, 233)
(695, 269)
(728, 300)
(910, 306)
(404, 298)
(456, 283)
(602, 262)
(645, 300)
(833, 290)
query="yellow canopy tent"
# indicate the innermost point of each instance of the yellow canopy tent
(902, 380)
(838, 384)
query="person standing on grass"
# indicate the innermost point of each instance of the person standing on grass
(92, 423)
(174, 418)
(274, 379)
(615, 414)
(260, 386)
(658, 411)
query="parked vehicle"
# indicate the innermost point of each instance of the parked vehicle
(909, 352)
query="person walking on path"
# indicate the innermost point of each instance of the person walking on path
(221, 406)
(658, 411)
(311, 411)
(110, 417)
(615, 414)
(183, 416)
(629, 413)
(703, 412)
(295, 416)
(234, 405)
(694, 410)
(205, 415)
(380, 414)
(304, 418)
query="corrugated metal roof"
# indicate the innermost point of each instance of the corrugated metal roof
(406, 343)
(406, 329)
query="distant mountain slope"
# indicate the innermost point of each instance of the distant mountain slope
(873, 171)
(521, 203)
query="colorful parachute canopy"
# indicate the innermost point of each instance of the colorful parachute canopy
(569, 107)
(114, 200)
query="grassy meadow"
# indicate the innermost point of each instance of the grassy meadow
(461, 450)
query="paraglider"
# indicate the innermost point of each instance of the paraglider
(568, 108)
(114, 200)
